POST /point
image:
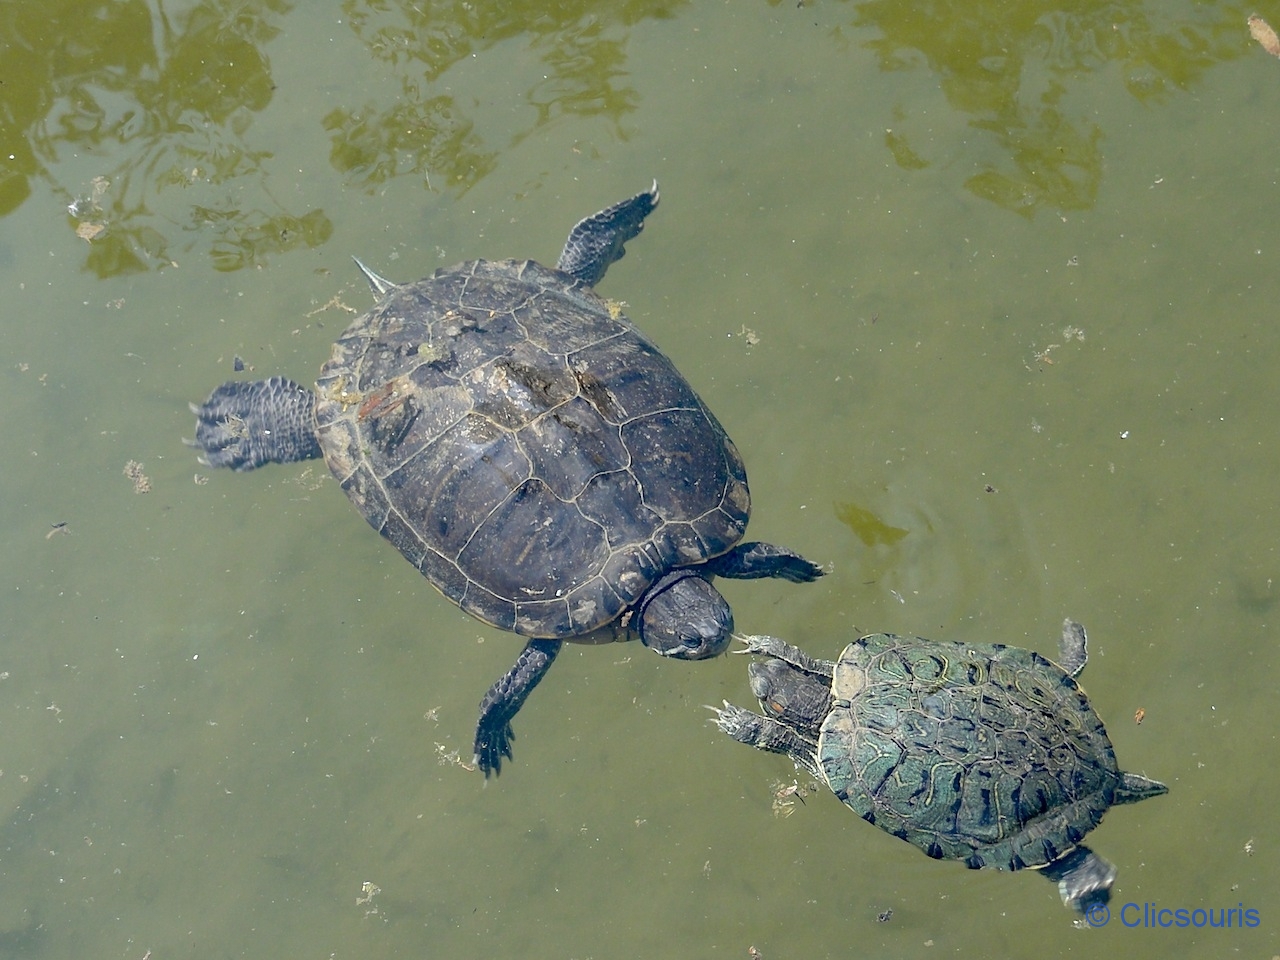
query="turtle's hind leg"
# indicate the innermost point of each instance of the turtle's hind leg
(1083, 878)
(245, 424)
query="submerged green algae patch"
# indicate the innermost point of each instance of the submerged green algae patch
(867, 527)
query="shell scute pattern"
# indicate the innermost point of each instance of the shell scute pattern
(521, 386)
(614, 500)
(981, 752)
(546, 534)
(556, 445)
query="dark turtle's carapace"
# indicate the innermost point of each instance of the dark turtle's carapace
(530, 451)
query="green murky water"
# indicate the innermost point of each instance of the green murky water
(998, 275)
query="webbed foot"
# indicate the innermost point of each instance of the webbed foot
(1083, 878)
(742, 725)
(504, 700)
(245, 424)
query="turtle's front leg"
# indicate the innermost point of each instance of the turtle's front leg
(597, 241)
(751, 561)
(765, 733)
(504, 700)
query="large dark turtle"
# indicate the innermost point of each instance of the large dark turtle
(530, 451)
(976, 752)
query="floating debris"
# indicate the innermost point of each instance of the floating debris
(1261, 31)
(334, 301)
(1139, 715)
(447, 757)
(85, 207)
(783, 806)
(141, 483)
(370, 890)
(87, 210)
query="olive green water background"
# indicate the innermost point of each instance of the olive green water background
(985, 292)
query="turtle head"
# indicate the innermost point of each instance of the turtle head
(684, 616)
(791, 696)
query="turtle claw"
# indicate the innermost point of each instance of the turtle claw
(746, 640)
(761, 644)
(718, 711)
(490, 747)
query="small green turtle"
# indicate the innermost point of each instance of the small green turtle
(983, 753)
